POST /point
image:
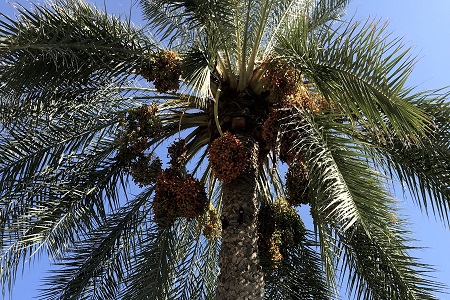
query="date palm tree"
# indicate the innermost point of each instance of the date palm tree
(264, 107)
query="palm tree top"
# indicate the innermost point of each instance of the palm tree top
(283, 99)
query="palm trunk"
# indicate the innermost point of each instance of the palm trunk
(241, 277)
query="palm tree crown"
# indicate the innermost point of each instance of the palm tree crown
(263, 107)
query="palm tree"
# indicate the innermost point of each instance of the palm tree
(268, 106)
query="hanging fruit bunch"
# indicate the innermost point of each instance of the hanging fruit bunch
(288, 150)
(279, 79)
(269, 241)
(177, 152)
(280, 229)
(177, 193)
(210, 223)
(271, 128)
(227, 157)
(280, 136)
(145, 170)
(140, 125)
(297, 180)
(289, 225)
(306, 98)
(289, 92)
(288, 88)
(178, 196)
(163, 68)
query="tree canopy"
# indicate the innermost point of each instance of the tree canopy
(261, 106)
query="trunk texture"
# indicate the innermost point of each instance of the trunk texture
(241, 277)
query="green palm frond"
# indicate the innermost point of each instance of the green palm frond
(198, 64)
(283, 13)
(358, 69)
(422, 169)
(153, 266)
(379, 266)
(300, 276)
(97, 266)
(314, 13)
(184, 19)
(328, 247)
(54, 220)
(50, 145)
(325, 11)
(66, 46)
(197, 276)
(55, 177)
(346, 194)
(260, 22)
(330, 158)
(251, 23)
(174, 263)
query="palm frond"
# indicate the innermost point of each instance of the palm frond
(380, 267)
(185, 19)
(422, 169)
(367, 211)
(97, 265)
(30, 150)
(300, 275)
(328, 246)
(358, 69)
(257, 22)
(314, 13)
(66, 46)
(332, 159)
(198, 64)
(57, 178)
(54, 221)
(251, 21)
(174, 263)
(198, 276)
(324, 12)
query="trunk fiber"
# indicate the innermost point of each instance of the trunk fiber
(241, 277)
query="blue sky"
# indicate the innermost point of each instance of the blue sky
(425, 26)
